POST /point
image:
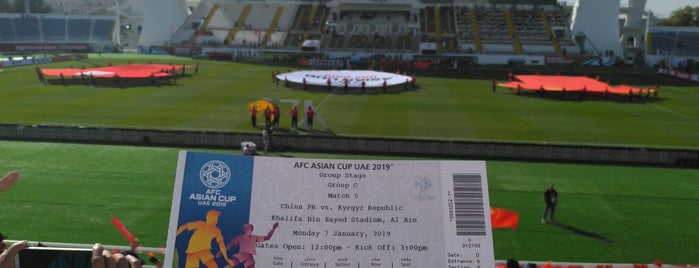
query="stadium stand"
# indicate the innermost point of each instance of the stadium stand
(486, 27)
(674, 41)
(57, 29)
(27, 29)
(102, 30)
(7, 33)
(54, 29)
(79, 29)
(538, 27)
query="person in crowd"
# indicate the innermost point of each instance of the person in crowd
(309, 117)
(116, 80)
(512, 263)
(253, 115)
(40, 75)
(268, 117)
(550, 200)
(630, 95)
(294, 113)
(102, 258)
(8, 255)
(247, 150)
(277, 114)
(276, 78)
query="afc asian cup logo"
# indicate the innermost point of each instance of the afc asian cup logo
(215, 174)
(423, 185)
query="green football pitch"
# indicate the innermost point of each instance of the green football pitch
(68, 192)
(442, 108)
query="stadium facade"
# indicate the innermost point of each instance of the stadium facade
(533, 32)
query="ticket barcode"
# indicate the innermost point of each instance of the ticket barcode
(468, 204)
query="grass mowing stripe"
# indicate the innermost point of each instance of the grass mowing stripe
(670, 111)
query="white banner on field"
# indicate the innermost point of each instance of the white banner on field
(294, 212)
(338, 78)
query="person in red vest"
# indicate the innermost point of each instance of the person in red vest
(309, 117)
(268, 117)
(363, 87)
(305, 84)
(253, 115)
(346, 85)
(328, 84)
(276, 114)
(40, 75)
(294, 113)
(655, 93)
(384, 85)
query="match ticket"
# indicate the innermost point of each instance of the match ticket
(291, 212)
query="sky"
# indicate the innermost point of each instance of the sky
(663, 8)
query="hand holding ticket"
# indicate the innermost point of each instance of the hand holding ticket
(329, 213)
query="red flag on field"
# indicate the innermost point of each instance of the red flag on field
(503, 218)
(658, 263)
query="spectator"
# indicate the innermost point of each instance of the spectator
(247, 150)
(268, 117)
(277, 114)
(294, 112)
(551, 200)
(7, 257)
(309, 117)
(125, 259)
(105, 258)
(253, 115)
(512, 263)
